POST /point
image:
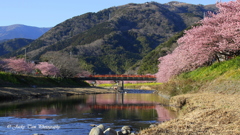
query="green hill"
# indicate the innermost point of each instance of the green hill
(114, 39)
(11, 45)
(149, 63)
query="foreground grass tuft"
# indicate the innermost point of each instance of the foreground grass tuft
(13, 80)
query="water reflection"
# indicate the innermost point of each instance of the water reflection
(115, 110)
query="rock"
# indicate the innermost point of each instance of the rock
(101, 126)
(119, 133)
(110, 131)
(93, 125)
(153, 125)
(97, 130)
(126, 130)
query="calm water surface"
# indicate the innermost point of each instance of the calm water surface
(74, 115)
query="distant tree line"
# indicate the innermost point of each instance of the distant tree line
(61, 66)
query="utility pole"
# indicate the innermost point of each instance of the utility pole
(25, 54)
(70, 54)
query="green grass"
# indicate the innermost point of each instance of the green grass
(13, 80)
(148, 84)
(214, 71)
(152, 85)
(208, 78)
(7, 77)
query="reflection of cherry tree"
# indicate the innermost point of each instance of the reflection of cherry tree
(163, 113)
(216, 38)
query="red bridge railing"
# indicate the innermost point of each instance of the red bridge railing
(130, 76)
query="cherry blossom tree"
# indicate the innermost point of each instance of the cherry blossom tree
(47, 69)
(216, 38)
(83, 74)
(18, 65)
(2, 65)
(68, 65)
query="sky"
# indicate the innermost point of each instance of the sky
(48, 13)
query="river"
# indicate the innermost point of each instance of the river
(74, 115)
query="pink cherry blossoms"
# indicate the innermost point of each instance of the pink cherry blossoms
(47, 69)
(217, 37)
(20, 66)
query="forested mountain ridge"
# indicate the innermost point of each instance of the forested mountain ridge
(114, 39)
(11, 45)
(21, 31)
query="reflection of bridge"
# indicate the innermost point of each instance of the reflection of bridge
(121, 107)
(129, 101)
(121, 78)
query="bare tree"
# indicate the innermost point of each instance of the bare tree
(67, 64)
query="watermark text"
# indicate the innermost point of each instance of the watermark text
(31, 126)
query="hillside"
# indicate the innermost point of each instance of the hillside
(12, 45)
(149, 63)
(21, 31)
(114, 39)
(205, 90)
(206, 99)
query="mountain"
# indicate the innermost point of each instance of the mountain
(11, 45)
(21, 31)
(149, 63)
(114, 39)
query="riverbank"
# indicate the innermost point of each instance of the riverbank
(202, 113)
(11, 93)
(17, 86)
(206, 99)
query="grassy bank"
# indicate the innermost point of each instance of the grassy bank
(206, 99)
(13, 80)
(220, 77)
(145, 86)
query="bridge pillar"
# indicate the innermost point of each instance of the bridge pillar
(122, 88)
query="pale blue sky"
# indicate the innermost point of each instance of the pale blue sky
(48, 13)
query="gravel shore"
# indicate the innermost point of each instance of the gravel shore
(10, 93)
(202, 114)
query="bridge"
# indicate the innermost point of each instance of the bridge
(120, 78)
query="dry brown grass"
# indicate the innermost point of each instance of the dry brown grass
(208, 101)
(223, 86)
(202, 113)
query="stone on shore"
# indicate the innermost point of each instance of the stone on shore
(110, 131)
(126, 130)
(97, 130)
